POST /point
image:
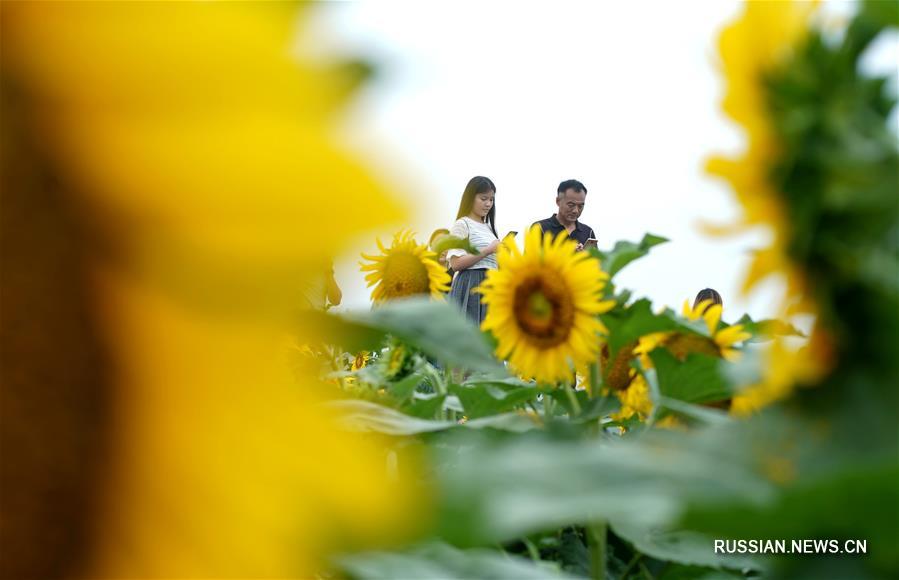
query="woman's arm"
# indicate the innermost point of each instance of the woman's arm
(465, 262)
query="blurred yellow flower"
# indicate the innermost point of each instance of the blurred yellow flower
(196, 154)
(543, 306)
(725, 338)
(761, 40)
(784, 367)
(635, 400)
(750, 48)
(406, 268)
(719, 343)
(360, 360)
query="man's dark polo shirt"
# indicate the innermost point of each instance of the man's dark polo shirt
(581, 232)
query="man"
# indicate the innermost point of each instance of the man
(570, 199)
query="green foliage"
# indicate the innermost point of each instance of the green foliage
(682, 546)
(623, 253)
(444, 243)
(498, 489)
(697, 379)
(628, 324)
(764, 330)
(484, 399)
(438, 561)
(434, 327)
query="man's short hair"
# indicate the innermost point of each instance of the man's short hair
(574, 184)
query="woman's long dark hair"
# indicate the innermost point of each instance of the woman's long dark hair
(476, 185)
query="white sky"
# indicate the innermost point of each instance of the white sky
(622, 96)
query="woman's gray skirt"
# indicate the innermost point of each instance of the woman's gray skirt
(461, 293)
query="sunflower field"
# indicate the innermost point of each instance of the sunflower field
(198, 420)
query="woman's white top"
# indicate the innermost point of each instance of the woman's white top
(479, 235)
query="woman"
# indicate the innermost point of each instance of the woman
(475, 221)
(708, 294)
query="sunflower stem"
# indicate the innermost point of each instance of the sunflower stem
(572, 398)
(595, 386)
(596, 535)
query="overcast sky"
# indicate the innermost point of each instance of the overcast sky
(622, 96)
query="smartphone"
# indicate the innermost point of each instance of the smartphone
(590, 243)
(510, 234)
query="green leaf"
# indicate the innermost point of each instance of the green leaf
(438, 561)
(856, 501)
(695, 380)
(626, 252)
(681, 572)
(424, 405)
(628, 324)
(444, 243)
(437, 328)
(767, 329)
(573, 553)
(364, 416)
(482, 399)
(497, 490)
(513, 422)
(404, 388)
(683, 546)
(694, 413)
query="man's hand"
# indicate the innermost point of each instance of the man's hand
(580, 247)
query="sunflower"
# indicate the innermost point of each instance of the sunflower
(750, 49)
(635, 400)
(406, 268)
(360, 360)
(719, 343)
(400, 361)
(723, 339)
(543, 306)
(185, 140)
(784, 368)
(761, 41)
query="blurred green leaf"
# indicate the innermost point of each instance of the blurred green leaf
(683, 546)
(437, 561)
(357, 415)
(444, 243)
(573, 554)
(697, 379)
(767, 329)
(482, 399)
(404, 388)
(437, 328)
(681, 572)
(695, 413)
(857, 501)
(498, 490)
(623, 253)
(626, 325)
(424, 405)
(364, 416)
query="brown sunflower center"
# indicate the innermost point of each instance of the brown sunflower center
(405, 275)
(544, 310)
(682, 344)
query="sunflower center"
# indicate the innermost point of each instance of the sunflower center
(682, 344)
(544, 310)
(405, 275)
